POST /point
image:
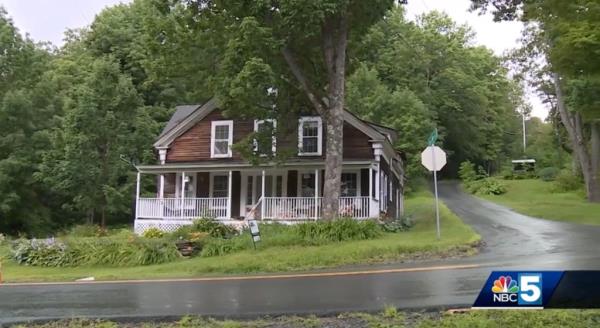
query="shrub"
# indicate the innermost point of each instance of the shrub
(220, 247)
(93, 251)
(338, 230)
(41, 252)
(566, 181)
(491, 186)
(548, 173)
(397, 225)
(153, 233)
(212, 227)
(87, 230)
(467, 172)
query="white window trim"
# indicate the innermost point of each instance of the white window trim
(274, 140)
(214, 124)
(319, 135)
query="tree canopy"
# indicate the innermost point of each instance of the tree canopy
(75, 119)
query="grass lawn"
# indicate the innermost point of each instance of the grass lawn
(535, 198)
(388, 318)
(418, 242)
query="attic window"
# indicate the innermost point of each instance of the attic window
(221, 139)
(310, 136)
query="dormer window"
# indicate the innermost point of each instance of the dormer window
(310, 136)
(221, 139)
(265, 127)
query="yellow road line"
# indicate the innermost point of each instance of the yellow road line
(261, 277)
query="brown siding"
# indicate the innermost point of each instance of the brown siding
(194, 144)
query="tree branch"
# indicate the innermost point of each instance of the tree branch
(290, 59)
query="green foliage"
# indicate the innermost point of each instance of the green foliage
(87, 230)
(467, 173)
(567, 181)
(548, 173)
(397, 225)
(108, 251)
(220, 247)
(338, 230)
(211, 227)
(153, 233)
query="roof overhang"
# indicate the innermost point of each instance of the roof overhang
(240, 166)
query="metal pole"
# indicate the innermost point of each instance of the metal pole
(524, 134)
(437, 208)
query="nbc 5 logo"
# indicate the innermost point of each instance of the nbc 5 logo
(530, 291)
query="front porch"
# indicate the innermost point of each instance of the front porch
(286, 195)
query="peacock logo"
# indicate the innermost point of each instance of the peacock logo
(505, 284)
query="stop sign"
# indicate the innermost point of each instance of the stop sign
(433, 158)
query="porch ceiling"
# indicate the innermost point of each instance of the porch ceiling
(241, 166)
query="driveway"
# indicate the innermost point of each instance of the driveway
(512, 241)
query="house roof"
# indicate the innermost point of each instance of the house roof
(181, 112)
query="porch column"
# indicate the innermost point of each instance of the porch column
(316, 194)
(137, 195)
(262, 196)
(229, 195)
(182, 193)
(161, 191)
(373, 203)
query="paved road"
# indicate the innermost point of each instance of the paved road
(513, 241)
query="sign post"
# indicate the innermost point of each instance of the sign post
(254, 232)
(434, 159)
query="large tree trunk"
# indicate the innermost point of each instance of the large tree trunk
(335, 37)
(595, 145)
(574, 127)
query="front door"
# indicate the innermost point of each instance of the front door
(275, 186)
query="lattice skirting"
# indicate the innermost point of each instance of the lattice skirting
(142, 225)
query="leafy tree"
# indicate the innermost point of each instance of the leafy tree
(23, 118)
(464, 88)
(565, 34)
(103, 123)
(279, 51)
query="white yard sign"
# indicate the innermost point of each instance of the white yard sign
(434, 159)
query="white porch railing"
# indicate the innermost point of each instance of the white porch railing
(177, 209)
(305, 208)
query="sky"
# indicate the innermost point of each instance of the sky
(47, 20)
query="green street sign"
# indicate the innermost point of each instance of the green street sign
(432, 137)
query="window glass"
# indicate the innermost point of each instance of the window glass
(307, 188)
(220, 183)
(249, 200)
(349, 187)
(221, 137)
(309, 136)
